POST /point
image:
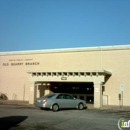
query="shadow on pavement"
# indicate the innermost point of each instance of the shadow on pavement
(11, 121)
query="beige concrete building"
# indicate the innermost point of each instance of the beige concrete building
(94, 74)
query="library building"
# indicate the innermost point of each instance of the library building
(99, 75)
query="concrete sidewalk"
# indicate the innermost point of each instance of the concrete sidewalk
(124, 108)
(89, 106)
(112, 107)
(14, 102)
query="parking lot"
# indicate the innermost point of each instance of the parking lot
(14, 117)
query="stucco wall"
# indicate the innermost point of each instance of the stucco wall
(13, 77)
(118, 61)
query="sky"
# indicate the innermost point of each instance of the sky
(55, 24)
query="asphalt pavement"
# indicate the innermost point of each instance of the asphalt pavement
(21, 117)
(90, 106)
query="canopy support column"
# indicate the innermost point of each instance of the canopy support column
(97, 94)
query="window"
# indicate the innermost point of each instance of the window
(81, 97)
(49, 95)
(61, 96)
(68, 96)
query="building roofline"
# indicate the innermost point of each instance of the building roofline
(66, 50)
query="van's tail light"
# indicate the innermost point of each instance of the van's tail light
(43, 101)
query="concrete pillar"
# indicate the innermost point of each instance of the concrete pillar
(97, 94)
(47, 90)
(37, 91)
(32, 93)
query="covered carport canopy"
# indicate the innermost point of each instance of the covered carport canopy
(96, 76)
(69, 76)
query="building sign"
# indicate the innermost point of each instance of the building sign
(122, 87)
(20, 62)
(97, 90)
(63, 78)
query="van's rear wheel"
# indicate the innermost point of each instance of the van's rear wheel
(55, 107)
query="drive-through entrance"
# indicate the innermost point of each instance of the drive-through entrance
(79, 90)
(83, 84)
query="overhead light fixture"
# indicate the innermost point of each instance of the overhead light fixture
(48, 84)
(44, 84)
